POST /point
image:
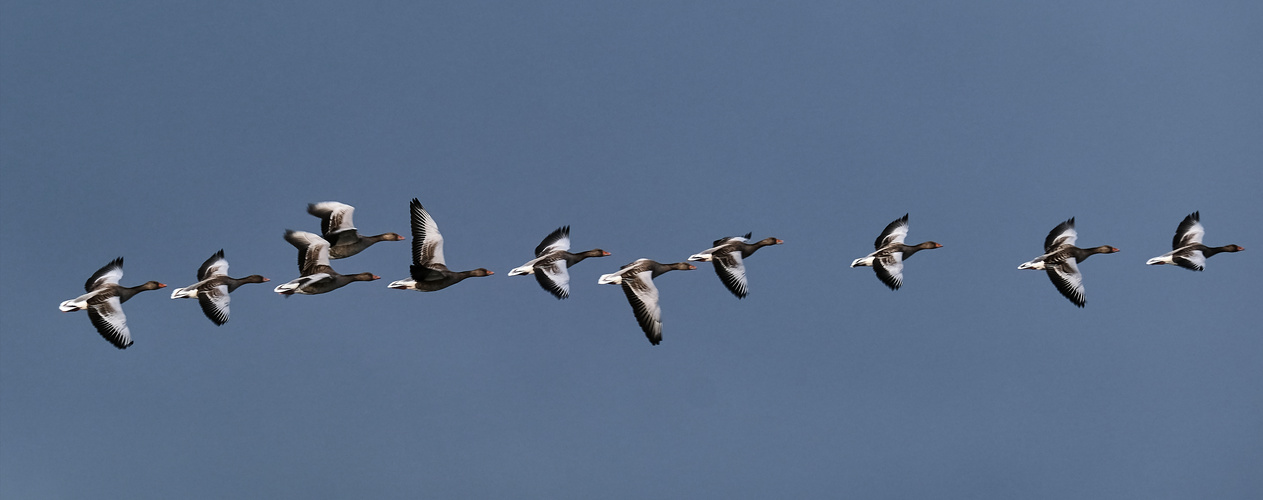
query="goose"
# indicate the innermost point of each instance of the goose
(104, 302)
(213, 287)
(1061, 260)
(552, 262)
(1188, 251)
(727, 255)
(887, 261)
(637, 281)
(339, 230)
(428, 272)
(313, 265)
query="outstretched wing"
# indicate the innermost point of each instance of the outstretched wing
(1063, 234)
(334, 216)
(108, 274)
(1065, 276)
(643, 296)
(557, 240)
(216, 265)
(732, 271)
(554, 277)
(1189, 232)
(214, 302)
(108, 318)
(427, 243)
(313, 251)
(889, 269)
(895, 232)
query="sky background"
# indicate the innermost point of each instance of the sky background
(165, 131)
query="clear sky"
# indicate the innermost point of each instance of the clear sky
(165, 131)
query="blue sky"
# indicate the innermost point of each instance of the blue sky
(164, 132)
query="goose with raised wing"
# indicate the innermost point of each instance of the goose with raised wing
(104, 302)
(637, 281)
(339, 230)
(552, 262)
(313, 265)
(1188, 251)
(1061, 260)
(429, 270)
(213, 286)
(887, 260)
(728, 256)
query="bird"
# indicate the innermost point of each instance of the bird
(887, 260)
(552, 262)
(1188, 251)
(727, 255)
(637, 281)
(428, 272)
(313, 266)
(213, 286)
(104, 302)
(1061, 260)
(339, 230)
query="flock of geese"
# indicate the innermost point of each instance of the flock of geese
(429, 272)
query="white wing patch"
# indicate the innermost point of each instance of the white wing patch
(427, 242)
(1192, 259)
(1066, 277)
(110, 322)
(554, 277)
(889, 269)
(643, 296)
(214, 302)
(732, 271)
(334, 216)
(1193, 234)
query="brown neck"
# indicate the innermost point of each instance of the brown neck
(659, 269)
(125, 293)
(574, 258)
(747, 249)
(909, 250)
(1082, 254)
(1208, 251)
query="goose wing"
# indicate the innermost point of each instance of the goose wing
(214, 302)
(1192, 259)
(216, 265)
(1065, 276)
(643, 296)
(1189, 232)
(554, 277)
(557, 240)
(433, 272)
(731, 239)
(427, 242)
(108, 318)
(889, 269)
(313, 251)
(1063, 234)
(895, 232)
(732, 271)
(334, 216)
(106, 275)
